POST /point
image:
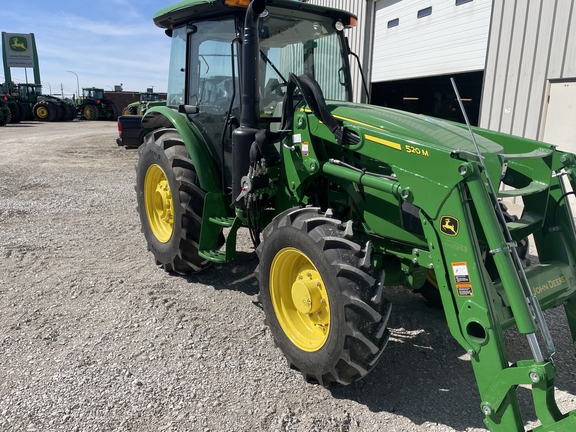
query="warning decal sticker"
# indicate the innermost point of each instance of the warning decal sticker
(462, 279)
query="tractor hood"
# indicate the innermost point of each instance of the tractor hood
(411, 128)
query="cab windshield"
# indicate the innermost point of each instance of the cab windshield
(287, 45)
(25, 90)
(147, 97)
(93, 93)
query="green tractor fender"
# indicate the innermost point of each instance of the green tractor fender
(164, 117)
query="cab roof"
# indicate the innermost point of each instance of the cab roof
(197, 10)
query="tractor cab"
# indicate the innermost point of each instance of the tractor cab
(214, 84)
(29, 92)
(93, 93)
(149, 97)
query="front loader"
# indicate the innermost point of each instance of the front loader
(342, 200)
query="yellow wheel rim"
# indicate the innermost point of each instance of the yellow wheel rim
(158, 203)
(126, 112)
(300, 299)
(87, 112)
(42, 112)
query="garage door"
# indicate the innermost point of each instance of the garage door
(433, 37)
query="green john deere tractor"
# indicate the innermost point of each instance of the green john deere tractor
(13, 104)
(41, 107)
(146, 101)
(5, 114)
(343, 200)
(93, 105)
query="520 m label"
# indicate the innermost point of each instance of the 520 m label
(416, 150)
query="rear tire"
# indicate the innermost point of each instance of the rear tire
(5, 114)
(90, 112)
(324, 308)
(44, 111)
(60, 113)
(112, 112)
(15, 112)
(170, 202)
(129, 110)
(70, 112)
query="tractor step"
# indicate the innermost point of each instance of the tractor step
(532, 188)
(222, 221)
(526, 225)
(216, 256)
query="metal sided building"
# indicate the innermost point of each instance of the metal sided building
(412, 47)
(530, 83)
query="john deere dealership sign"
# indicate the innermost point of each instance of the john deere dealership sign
(18, 50)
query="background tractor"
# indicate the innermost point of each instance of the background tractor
(93, 105)
(5, 114)
(342, 200)
(16, 108)
(42, 107)
(146, 101)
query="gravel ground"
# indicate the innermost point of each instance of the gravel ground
(95, 337)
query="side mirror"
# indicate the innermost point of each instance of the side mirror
(188, 109)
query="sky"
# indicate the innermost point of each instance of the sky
(104, 42)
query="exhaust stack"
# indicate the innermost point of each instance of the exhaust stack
(243, 136)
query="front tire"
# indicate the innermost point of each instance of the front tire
(90, 112)
(323, 306)
(170, 202)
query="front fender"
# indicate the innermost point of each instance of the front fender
(164, 117)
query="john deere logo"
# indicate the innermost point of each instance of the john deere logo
(18, 44)
(449, 225)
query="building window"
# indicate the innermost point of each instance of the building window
(393, 23)
(425, 12)
(461, 2)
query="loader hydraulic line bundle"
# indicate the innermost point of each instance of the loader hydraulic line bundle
(344, 199)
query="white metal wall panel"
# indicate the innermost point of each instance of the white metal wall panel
(452, 39)
(559, 38)
(510, 56)
(527, 122)
(570, 56)
(524, 77)
(359, 38)
(531, 43)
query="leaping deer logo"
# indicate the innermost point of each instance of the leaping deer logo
(17, 45)
(449, 225)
